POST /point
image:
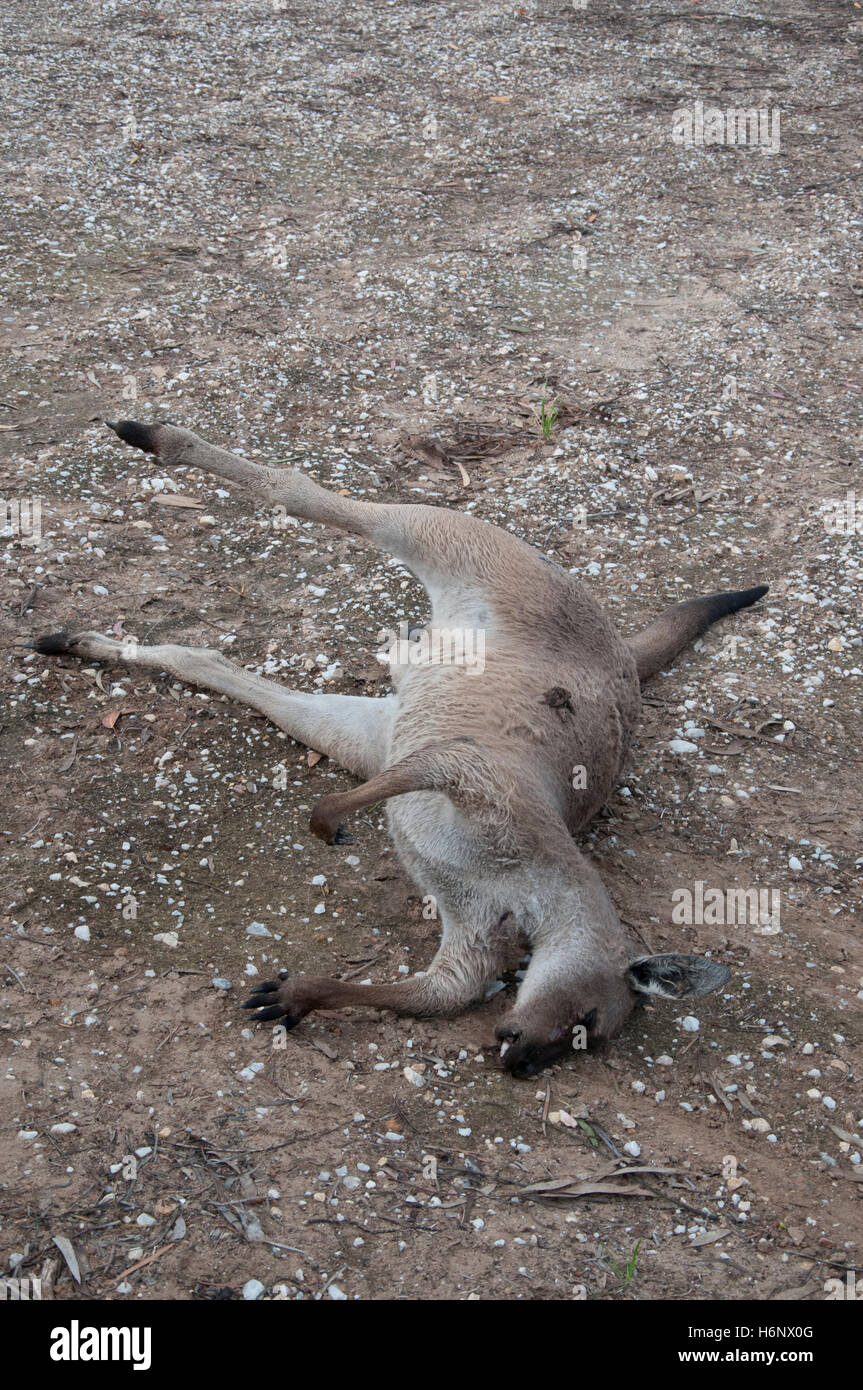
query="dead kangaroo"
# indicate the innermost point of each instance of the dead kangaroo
(476, 768)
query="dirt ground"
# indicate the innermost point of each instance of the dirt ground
(369, 238)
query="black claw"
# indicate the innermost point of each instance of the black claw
(268, 996)
(265, 996)
(342, 837)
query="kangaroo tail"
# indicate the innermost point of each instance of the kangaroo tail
(658, 644)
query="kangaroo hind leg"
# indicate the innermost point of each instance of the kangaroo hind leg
(353, 730)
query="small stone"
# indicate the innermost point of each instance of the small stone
(682, 745)
(252, 1289)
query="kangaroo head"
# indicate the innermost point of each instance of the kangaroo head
(546, 1025)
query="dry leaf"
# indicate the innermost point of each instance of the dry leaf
(587, 1189)
(64, 1245)
(69, 759)
(175, 499)
(110, 719)
(708, 1238)
(847, 1137)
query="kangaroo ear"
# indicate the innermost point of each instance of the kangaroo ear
(673, 976)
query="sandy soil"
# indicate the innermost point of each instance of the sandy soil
(364, 237)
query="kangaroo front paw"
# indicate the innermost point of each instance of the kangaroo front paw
(277, 999)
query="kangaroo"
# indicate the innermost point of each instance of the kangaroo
(476, 768)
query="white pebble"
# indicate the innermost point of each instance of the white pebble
(682, 745)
